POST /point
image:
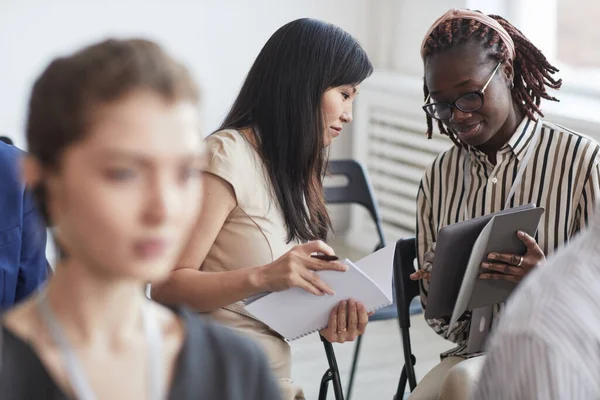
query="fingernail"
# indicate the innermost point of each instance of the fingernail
(484, 276)
(521, 233)
(485, 265)
(492, 256)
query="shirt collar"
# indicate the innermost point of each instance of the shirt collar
(521, 139)
(518, 143)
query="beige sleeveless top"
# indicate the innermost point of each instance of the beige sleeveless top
(254, 233)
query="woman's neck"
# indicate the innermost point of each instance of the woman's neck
(504, 134)
(94, 308)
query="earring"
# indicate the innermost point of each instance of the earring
(511, 85)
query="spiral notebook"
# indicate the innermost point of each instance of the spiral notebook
(295, 313)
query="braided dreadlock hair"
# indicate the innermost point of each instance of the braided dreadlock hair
(532, 70)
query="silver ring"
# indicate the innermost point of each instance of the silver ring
(520, 261)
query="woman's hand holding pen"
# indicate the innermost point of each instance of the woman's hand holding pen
(297, 268)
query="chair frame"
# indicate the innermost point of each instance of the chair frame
(406, 290)
(358, 191)
(331, 375)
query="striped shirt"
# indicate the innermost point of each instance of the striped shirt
(547, 345)
(562, 175)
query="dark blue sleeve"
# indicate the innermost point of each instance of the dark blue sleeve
(33, 268)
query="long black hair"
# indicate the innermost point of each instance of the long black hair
(281, 101)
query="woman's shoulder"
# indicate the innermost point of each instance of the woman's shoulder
(21, 320)
(221, 344)
(227, 135)
(219, 339)
(228, 141)
(19, 361)
(577, 145)
(230, 154)
(565, 132)
(17, 352)
(215, 357)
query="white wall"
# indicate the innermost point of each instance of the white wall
(217, 39)
(396, 28)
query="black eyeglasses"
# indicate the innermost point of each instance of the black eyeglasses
(468, 103)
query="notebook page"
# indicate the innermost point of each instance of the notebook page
(379, 267)
(294, 313)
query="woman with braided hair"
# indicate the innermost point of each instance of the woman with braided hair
(483, 84)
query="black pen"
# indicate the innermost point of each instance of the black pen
(325, 257)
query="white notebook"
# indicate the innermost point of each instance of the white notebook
(295, 313)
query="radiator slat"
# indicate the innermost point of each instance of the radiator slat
(395, 170)
(400, 155)
(397, 154)
(403, 134)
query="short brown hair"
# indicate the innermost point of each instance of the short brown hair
(63, 97)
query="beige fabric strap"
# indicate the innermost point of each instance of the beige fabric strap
(464, 13)
(238, 307)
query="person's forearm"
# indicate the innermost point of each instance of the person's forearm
(208, 291)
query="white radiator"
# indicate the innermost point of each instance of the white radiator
(397, 154)
(389, 139)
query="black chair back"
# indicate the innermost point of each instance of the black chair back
(406, 290)
(357, 191)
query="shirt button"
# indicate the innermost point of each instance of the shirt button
(494, 180)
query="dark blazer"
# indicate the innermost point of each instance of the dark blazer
(23, 265)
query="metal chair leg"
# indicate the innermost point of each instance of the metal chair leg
(357, 346)
(409, 359)
(332, 374)
(404, 379)
(401, 385)
(325, 385)
(353, 368)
